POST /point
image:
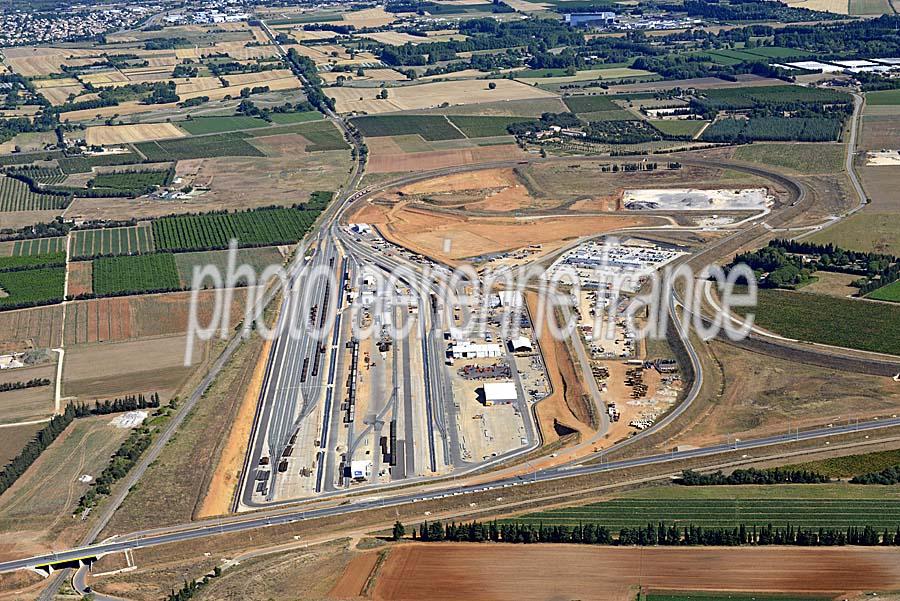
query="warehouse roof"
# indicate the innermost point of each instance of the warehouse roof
(500, 391)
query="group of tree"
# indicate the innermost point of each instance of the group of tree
(53, 229)
(191, 588)
(754, 10)
(546, 121)
(789, 263)
(118, 467)
(305, 68)
(775, 268)
(32, 383)
(774, 475)
(118, 405)
(889, 475)
(658, 534)
(622, 132)
(29, 454)
(861, 38)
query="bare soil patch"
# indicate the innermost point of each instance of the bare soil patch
(80, 278)
(565, 409)
(539, 572)
(765, 395)
(131, 367)
(38, 327)
(386, 161)
(426, 231)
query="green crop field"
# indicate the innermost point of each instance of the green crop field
(257, 258)
(726, 513)
(259, 227)
(17, 262)
(86, 163)
(829, 320)
(889, 97)
(135, 274)
(112, 241)
(891, 293)
(302, 117)
(39, 246)
(799, 157)
(15, 195)
(129, 181)
(852, 465)
(590, 104)
(45, 175)
(430, 127)
(200, 147)
(322, 135)
(31, 287)
(199, 126)
(678, 127)
(748, 97)
(778, 52)
(484, 127)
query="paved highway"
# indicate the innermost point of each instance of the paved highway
(136, 541)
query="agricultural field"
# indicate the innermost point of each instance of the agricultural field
(865, 231)
(798, 157)
(678, 127)
(725, 512)
(747, 97)
(215, 125)
(132, 181)
(432, 95)
(322, 135)
(257, 258)
(883, 97)
(590, 104)
(260, 227)
(216, 145)
(484, 126)
(15, 195)
(112, 241)
(890, 293)
(108, 135)
(45, 175)
(298, 117)
(135, 274)
(31, 287)
(450, 571)
(430, 127)
(19, 262)
(39, 327)
(37, 509)
(828, 320)
(84, 164)
(710, 596)
(804, 129)
(852, 465)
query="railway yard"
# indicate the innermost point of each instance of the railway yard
(326, 301)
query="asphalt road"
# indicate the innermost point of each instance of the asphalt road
(136, 541)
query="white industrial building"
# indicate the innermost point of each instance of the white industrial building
(361, 469)
(521, 344)
(471, 350)
(510, 298)
(497, 393)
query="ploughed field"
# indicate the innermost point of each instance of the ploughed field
(474, 571)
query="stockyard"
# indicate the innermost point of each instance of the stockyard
(427, 139)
